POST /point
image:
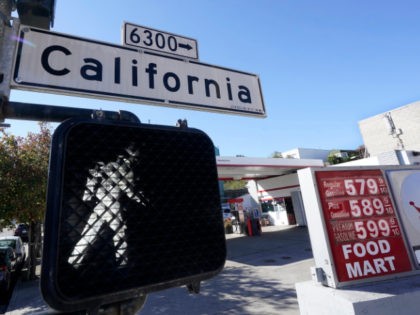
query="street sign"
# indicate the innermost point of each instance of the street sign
(59, 63)
(152, 39)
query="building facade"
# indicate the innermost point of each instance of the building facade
(398, 129)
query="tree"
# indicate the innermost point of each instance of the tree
(276, 154)
(335, 158)
(341, 156)
(235, 184)
(23, 181)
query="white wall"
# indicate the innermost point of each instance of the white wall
(276, 187)
(375, 131)
(394, 157)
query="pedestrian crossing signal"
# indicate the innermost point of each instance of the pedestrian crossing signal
(131, 209)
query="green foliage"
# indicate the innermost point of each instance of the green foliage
(276, 154)
(235, 184)
(333, 158)
(23, 175)
(341, 156)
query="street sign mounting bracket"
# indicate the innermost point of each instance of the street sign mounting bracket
(53, 113)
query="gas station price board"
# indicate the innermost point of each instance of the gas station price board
(363, 230)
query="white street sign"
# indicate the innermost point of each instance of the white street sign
(164, 42)
(60, 63)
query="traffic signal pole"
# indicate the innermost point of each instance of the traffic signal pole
(8, 31)
(53, 113)
(8, 28)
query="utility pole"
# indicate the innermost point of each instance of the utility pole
(8, 31)
(7, 44)
(37, 13)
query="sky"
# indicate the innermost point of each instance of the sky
(323, 65)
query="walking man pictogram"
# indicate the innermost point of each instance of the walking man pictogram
(108, 184)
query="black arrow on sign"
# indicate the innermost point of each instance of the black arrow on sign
(185, 46)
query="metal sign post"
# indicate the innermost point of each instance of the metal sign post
(8, 32)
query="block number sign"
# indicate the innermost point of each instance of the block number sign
(363, 230)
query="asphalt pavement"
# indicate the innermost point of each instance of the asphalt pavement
(259, 278)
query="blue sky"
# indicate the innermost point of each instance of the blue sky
(323, 65)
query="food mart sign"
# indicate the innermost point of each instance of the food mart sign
(364, 237)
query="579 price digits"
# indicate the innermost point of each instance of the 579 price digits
(361, 186)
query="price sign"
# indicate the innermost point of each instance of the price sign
(364, 233)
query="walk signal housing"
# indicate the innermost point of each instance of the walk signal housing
(38, 13)
(131, 209)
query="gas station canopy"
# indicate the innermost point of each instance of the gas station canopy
(247, 168)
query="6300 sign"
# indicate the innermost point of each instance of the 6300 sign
(151, 39)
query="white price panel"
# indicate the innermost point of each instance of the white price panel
(405, 186)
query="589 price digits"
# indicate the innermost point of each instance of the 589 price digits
(369, 207)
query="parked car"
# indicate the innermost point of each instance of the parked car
(7, 260)
(22, 230)
(15, 242)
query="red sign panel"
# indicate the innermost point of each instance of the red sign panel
(363, 231)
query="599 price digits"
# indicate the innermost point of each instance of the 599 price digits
(372, 229)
